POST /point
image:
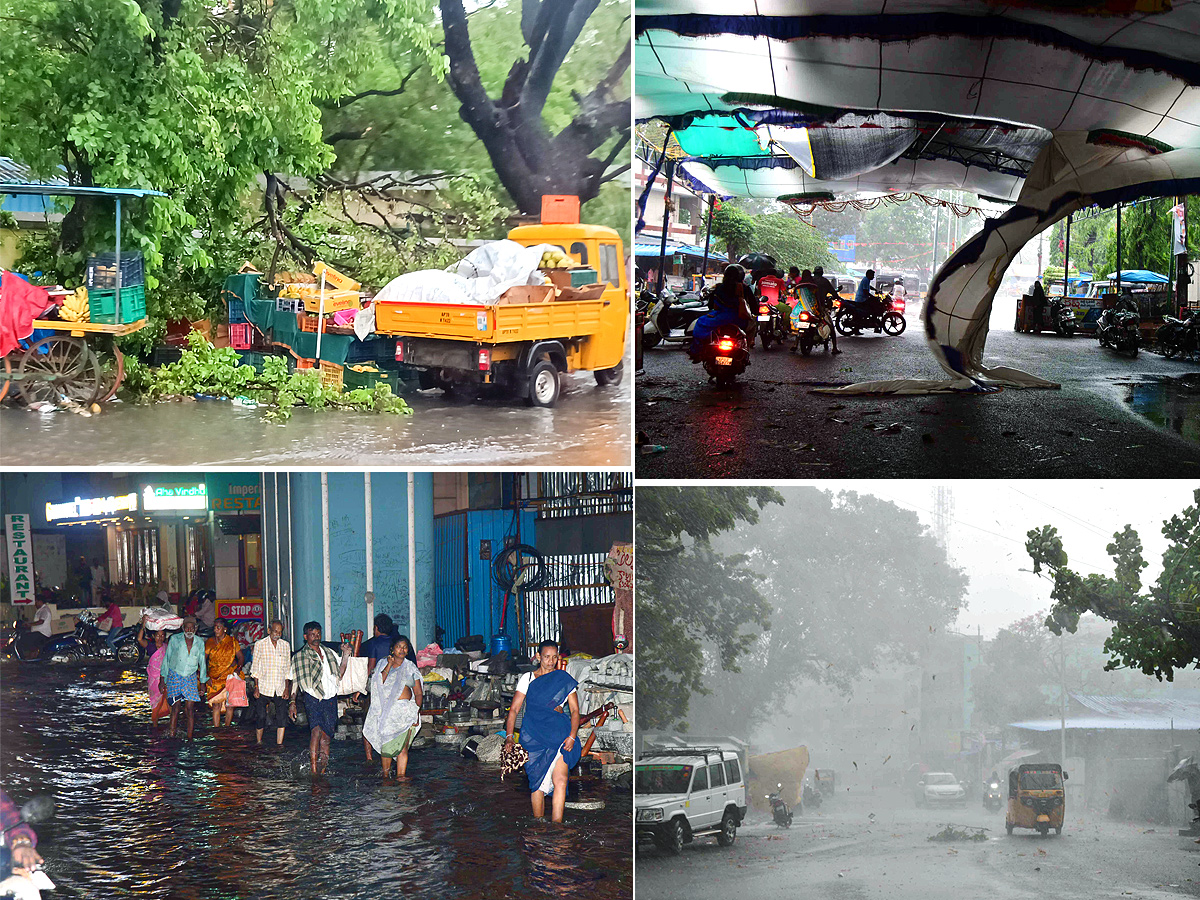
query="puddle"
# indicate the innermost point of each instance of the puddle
(1170, 403)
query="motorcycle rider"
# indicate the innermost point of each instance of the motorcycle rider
(1037, 301)
(825, 293)
(18, 835)
(729, 307)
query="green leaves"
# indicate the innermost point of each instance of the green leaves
(1155, 631)
(206, 370)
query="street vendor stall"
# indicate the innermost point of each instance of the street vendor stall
(62, 364)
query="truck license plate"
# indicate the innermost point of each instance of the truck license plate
(724, 360)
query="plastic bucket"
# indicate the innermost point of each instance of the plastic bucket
(501, 643)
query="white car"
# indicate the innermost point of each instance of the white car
(683, 794)
(936, 788)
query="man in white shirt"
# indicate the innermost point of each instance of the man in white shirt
(97, 580)
(41, 617)
(269, 668)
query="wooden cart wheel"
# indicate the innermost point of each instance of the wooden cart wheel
(113, 379)
(60, 366)
(7, 382)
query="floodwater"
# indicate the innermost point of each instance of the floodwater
(143, 815)
(1170, 403)
(591, 426)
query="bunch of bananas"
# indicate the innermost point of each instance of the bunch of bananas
(75, 307)
(555, 259)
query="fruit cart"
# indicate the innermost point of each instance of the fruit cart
(65, 365)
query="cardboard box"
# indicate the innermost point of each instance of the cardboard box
(528, 293)
(588, 292)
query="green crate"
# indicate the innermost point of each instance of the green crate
(580, 277)
(352, 380)
(102, 305)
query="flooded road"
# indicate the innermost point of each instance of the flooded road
(143, 815)
(863, 847)
(590, 427)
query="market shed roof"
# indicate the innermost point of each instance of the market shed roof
(1101, 713)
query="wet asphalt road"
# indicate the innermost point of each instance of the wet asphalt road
(590, 427)
(1100, 424)
(839, 854)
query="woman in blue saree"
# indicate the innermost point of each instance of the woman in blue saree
(548, 731)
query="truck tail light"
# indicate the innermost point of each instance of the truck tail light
(485, 359)
(399, 351)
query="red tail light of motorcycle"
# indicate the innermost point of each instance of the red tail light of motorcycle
(764, 308)
(725, 344)
(804, 317)
(898, 305)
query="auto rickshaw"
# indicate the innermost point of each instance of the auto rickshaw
(1036, 798)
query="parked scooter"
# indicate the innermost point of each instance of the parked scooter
(725, 355)
(1118, 328)
(671, 322)
(779, 808)
(881, 316)
(1056, 317)
(992, 799)
(1178, 335)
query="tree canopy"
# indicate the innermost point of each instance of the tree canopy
(852, 579)
(740, 228)
(1156, 630)
(691, 598)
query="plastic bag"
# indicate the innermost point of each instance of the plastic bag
(429, 656)
(160, 617)
(235, 688)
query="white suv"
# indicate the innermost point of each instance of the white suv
(683, 794)
(940, 787)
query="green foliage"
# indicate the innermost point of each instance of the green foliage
(741, 227)
(205, 369)
(853, 580)
(689, 596)
(1156, 631)
(734, 229)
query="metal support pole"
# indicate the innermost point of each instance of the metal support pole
(1118, 250)
(291, 623)
(662, 249)
(712, 202)
(278, 571)
(412, 558)
(325, 576)
(369, 539)
(1182, 280)
(937, 223)
(1067, 259)
(118, 254)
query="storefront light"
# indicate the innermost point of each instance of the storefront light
(192, 496)
(90, 507)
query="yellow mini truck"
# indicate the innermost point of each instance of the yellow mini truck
(525, 347)
(1036, 797)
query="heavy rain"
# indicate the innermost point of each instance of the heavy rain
(918, 690)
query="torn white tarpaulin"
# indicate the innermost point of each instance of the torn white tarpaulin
(1069, 175)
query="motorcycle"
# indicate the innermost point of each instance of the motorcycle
(25, 884)
(991, 796)
(768, 321)
(812, 796)
(725, 355)
(779, 809)
(1056, 317)
(666, 317)
(88, 642)
(882, 316)
(1177, 335)
(1118, 329)
(810, 329)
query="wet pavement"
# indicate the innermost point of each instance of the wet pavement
(143, 815)
(840, 853)
(1113, 417)
(590, 427)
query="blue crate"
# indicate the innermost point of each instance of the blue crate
(237, 311)
(102, 271)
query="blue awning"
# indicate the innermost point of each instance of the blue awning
(674, 247)
(1140, 276)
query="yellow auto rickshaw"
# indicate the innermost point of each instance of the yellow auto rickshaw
(1036, 797)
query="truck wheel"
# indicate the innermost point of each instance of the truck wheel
(1008, 827)
(673, 839)
(610, 376)
(543, 384)
(728, 830)
(1058, 830)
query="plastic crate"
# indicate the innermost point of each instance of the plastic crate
(353, 378)
(103, 305)
(237, 312)
(331, 375)
(102, 270)
(560, 209)
(252, 358)
(289, 305)
(241, 337)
